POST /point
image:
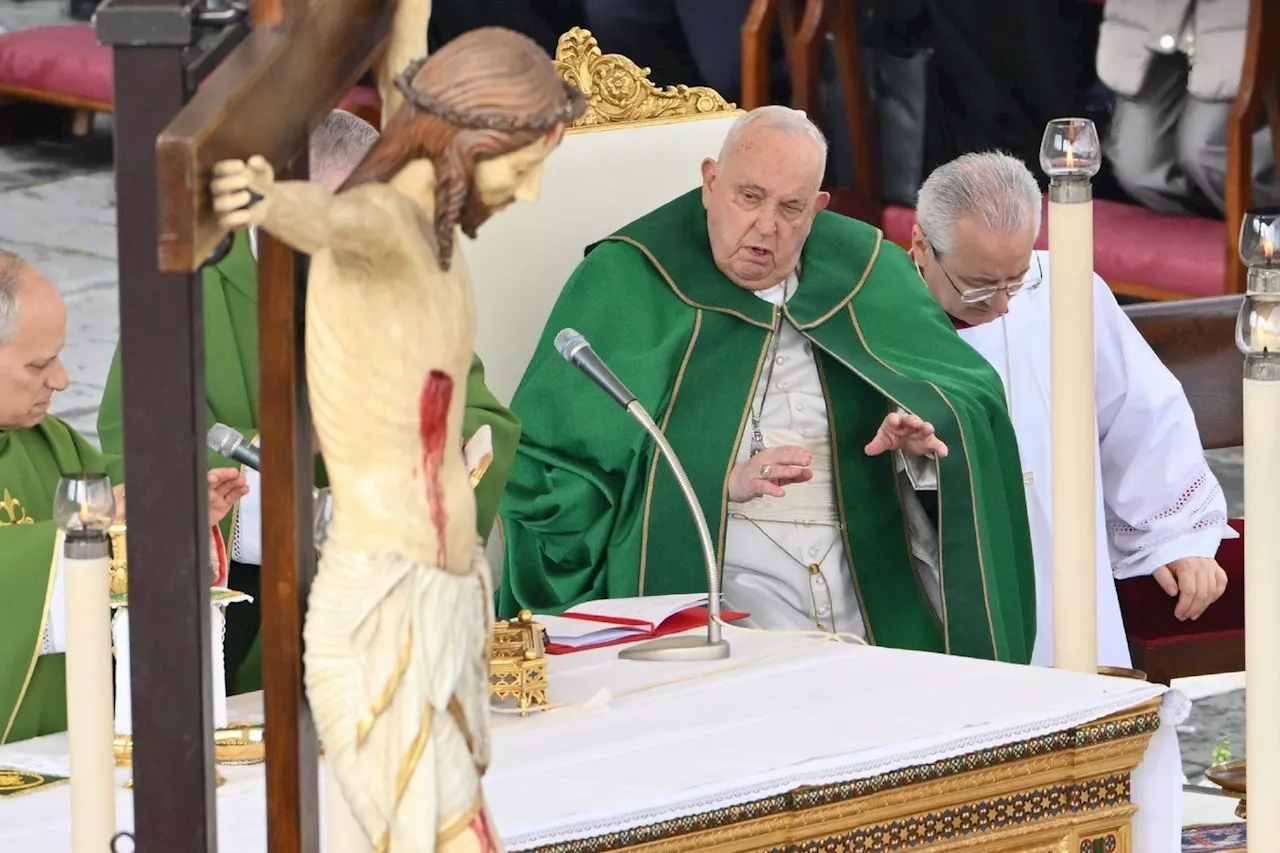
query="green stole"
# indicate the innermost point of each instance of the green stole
(591, 512)
(33, 699)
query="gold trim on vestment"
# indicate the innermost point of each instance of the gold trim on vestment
(866, 272)
(977, 533)
(681, 295)
(844, 513)
(39, 644)
(733, 454)
(653, 464)
(867, 380)
(459, 823)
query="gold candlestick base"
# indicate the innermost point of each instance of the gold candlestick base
(1230, 777)
(240, 743)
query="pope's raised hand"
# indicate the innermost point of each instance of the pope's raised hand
(226, 486)
(241, 191)
(908, 433)
(768, 471)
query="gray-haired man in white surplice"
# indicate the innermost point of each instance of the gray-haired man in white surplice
(1160, 511)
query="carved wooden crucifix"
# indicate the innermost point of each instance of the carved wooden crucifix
(266, 94)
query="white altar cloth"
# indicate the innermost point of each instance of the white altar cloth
(659, 740)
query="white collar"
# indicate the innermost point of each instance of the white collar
(775, 295)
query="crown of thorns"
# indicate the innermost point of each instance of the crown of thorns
(574, 105)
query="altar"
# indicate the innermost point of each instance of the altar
(793, 743)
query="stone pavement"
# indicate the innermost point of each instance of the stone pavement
(57, 208)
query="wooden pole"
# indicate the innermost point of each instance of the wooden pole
(162, 349)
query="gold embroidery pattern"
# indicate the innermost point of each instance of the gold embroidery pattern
(14, 782)
(12, 512)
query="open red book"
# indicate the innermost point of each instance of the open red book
(611, 621)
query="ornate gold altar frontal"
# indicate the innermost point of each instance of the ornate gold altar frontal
(619, 91)
(1067, 792)
(518, 662)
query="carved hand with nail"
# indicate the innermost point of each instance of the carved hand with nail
(242, 191)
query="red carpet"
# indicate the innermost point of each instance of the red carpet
(1220, 838)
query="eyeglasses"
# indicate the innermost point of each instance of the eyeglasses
(973, 295)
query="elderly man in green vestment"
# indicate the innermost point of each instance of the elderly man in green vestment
(854, 457)
(36, 449)
(231, 395)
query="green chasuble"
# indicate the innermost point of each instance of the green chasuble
(591, 512)
(33, 696)
(231, 382)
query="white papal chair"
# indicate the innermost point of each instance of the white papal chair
(634, 149)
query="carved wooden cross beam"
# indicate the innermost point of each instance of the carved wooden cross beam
(265, 99)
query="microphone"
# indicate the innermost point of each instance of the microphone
(233, 445)
(575, 350)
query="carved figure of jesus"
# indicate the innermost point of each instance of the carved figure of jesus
(401, 608)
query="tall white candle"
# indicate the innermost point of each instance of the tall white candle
(1074, 441)
(1261, 606)
(89, 712)
(1070, 156)
(1258, 335)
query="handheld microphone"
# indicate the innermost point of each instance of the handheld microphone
(231, 444)
(575, 350)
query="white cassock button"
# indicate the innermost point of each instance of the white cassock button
(820, 580)
(824, 610)
(799, 407)
(782, 359)
(784, 385)
(1167, 42)
(813, 552)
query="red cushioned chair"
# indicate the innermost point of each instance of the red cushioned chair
(65, 66)
(1196, 340)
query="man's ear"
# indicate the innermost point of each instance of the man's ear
(820, 203)
(708, 178)
(919, 243)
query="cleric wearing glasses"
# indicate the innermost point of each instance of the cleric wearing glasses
(1160, 511)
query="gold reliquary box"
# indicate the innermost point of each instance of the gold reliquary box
(518, 662)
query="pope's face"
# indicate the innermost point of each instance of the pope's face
(761, 199)
(31, 369)
(981, 259)
(516, 176)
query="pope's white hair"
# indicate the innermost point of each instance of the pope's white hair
(775, 117)
(10, 269)
(995, 188)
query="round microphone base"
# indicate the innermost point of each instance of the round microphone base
(677, 649)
